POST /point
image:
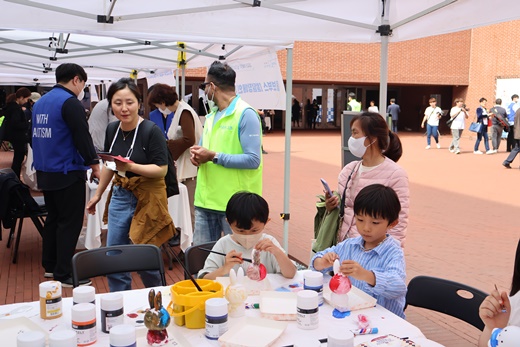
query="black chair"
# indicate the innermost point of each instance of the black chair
(16, 204)
(194, 258)
(444, 296)
(116, 259)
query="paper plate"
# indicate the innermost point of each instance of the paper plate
(278, 305)
(253, 332)
(174, 339)
(357, 299)
(10, 328)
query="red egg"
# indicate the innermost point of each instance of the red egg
(263, 271)
(340, 284)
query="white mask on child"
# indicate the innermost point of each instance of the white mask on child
(247, 241)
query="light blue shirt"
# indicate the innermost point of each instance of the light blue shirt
(249, 132)
(387, 263)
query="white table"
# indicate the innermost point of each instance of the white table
(386, 321)
(178, 207)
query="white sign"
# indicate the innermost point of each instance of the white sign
(259, 81)
(505, 88)
(161, 76)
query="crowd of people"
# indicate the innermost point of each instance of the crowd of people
(221, 164)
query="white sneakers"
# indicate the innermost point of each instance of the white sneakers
(477, 152)
(438, 145)
(452, 150)
(427, 147)
(457, 151)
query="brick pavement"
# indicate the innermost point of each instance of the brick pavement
(461, 219)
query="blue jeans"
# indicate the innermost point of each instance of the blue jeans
(209, 225)
(479, 138)
(394, 126)
(120, 214)
(431, 130)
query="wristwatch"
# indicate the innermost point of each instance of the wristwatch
(215, 159)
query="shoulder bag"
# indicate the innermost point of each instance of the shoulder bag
(449, 121)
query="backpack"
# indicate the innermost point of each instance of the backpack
(172, 185)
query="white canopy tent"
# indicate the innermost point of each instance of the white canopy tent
(261, 22)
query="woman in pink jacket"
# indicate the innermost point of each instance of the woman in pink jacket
(379, 149)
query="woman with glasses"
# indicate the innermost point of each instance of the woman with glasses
(379, 150)
(137, 205)
(458, 114)
(432, 114)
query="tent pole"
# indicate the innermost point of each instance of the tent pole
(287, 161)
(183, 69)
(176, 71)
(384, 31)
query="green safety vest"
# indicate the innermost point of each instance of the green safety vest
(215, 183)
(355, 105)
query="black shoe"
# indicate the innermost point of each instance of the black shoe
(264, 152)
(506, 165)
(68, 282)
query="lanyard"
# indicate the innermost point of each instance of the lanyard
(131, 150)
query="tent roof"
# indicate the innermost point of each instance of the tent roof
(260, 22)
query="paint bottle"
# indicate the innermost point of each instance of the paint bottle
(313, 280)
(84, 294)
(123, 336)
(340, 338)
(50, 300)
(84, 324)
(216, 318)
(63, 338)
(30, 339)
(111, 311)
(307, 315)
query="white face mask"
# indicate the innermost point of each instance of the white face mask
(166, 111)
(211, 104)
(81, 94)
(247, 241)
(357, 146)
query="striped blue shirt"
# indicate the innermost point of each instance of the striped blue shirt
(387, 263)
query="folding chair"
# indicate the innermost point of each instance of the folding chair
(444, 296)
(19, 204)
(116, 259)
(194, 258)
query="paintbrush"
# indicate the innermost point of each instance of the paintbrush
(502, 306)
(224, 254)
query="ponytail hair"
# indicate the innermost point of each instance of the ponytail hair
(515, 285)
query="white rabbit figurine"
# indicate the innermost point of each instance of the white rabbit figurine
(236, 293)
(339, 290)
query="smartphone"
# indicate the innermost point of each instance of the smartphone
(326, 186)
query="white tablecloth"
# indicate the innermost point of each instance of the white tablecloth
(136, 300)
(178, 206)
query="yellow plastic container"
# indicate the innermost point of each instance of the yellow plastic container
(188, 305)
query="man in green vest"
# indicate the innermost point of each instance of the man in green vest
(353, 103)
(229, 155)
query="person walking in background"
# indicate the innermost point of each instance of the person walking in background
(17, 126)
(458, 114)
(393, 110)
(63, 150)
(353, 104)
(296, 113)
(432, 114)
(373, 108)
(499, 121)
(379, 150)
(229, 155)
(511, 110)
(311, 112)
(516, 148)
(137, 204)
(483, 119)
(184, 130)
(98, 121)
(28, 111)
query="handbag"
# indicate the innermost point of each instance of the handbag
(475, 127)
(327, 224)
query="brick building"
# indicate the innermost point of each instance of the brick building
(464, 64)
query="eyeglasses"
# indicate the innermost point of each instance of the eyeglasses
(204, 85)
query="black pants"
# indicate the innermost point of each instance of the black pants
(20, 150)
(514, 152)
(66, 210)
(510, 139)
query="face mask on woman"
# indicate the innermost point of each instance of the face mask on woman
(166, 111)
(357, 146)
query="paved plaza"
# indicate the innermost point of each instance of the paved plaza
(461, 227)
